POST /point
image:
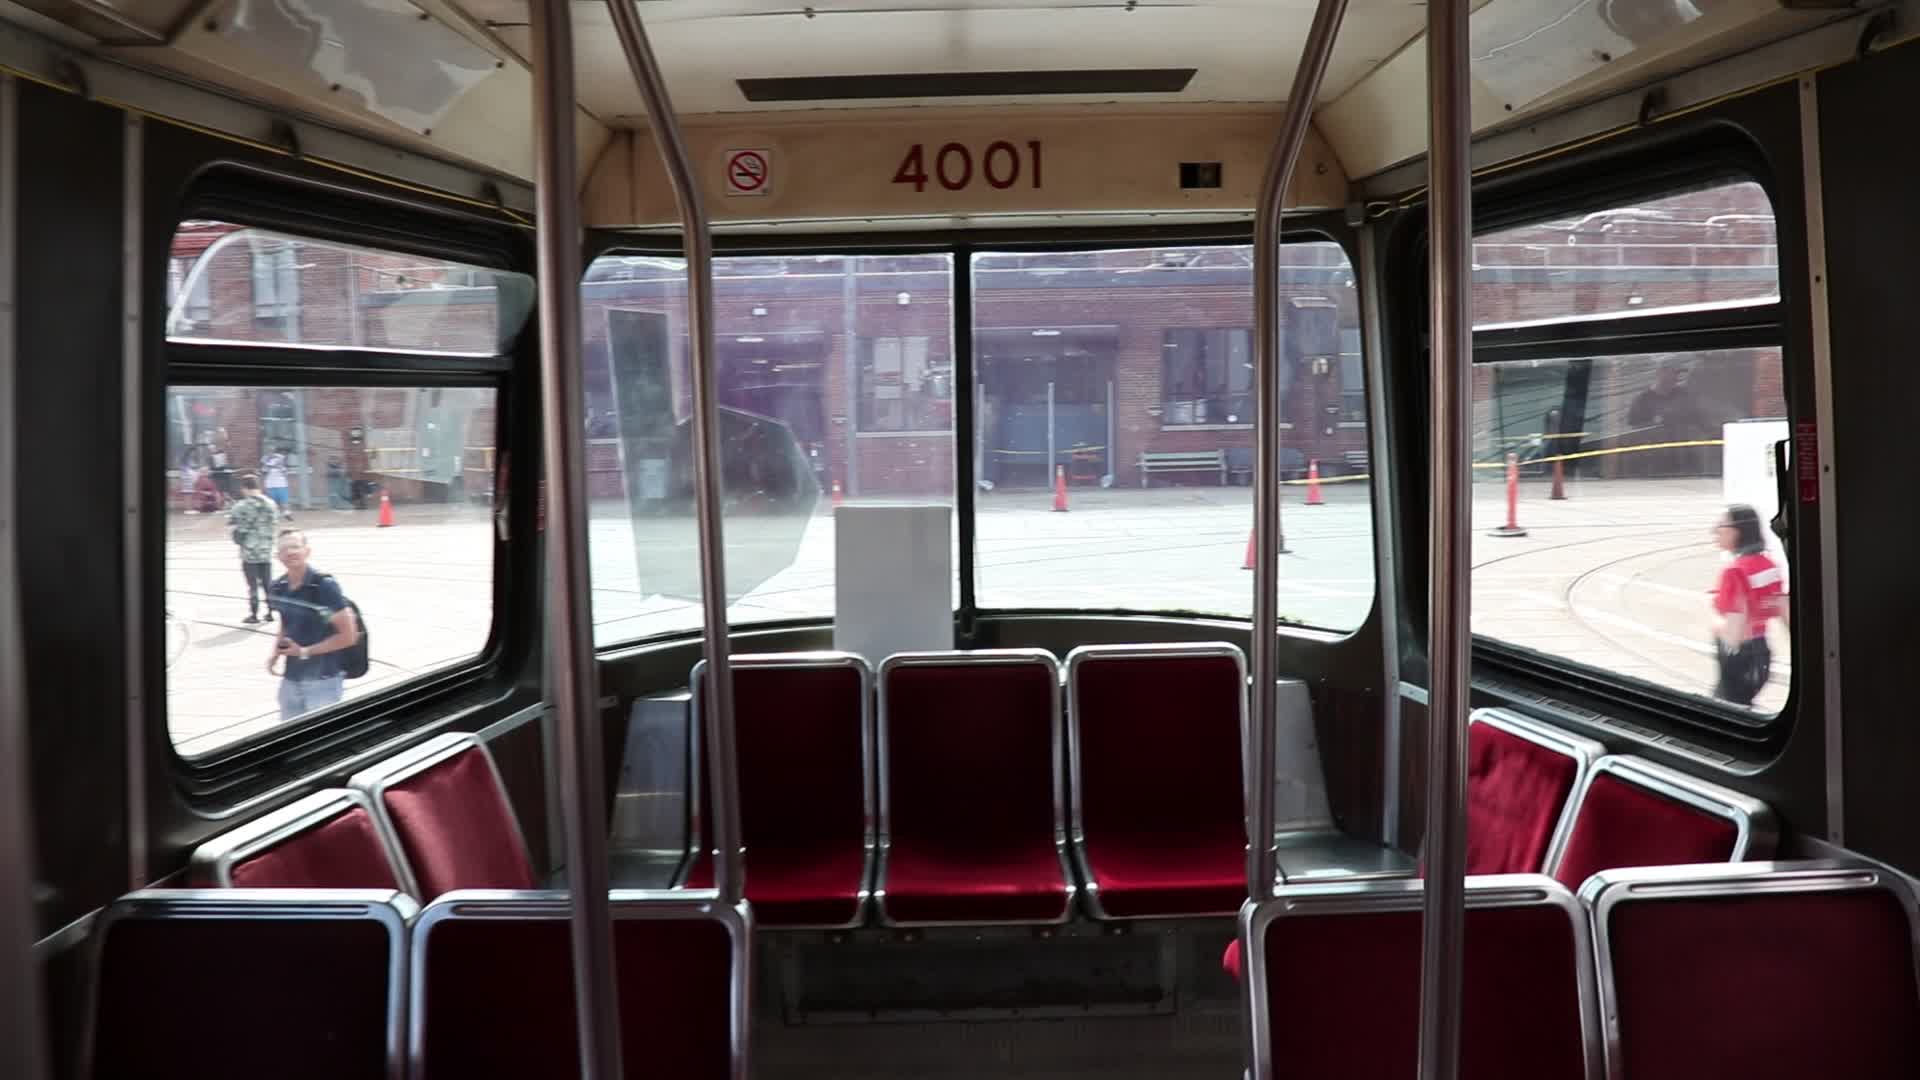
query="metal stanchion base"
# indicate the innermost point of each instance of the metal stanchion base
(1507, 530)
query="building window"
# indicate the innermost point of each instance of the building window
(1353, 378)
(905, 384)
(198, 309)
(276, 282)
(1206, 377)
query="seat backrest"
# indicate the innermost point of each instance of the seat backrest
(802, 724)
(971, 750)
(1333, 976)
(327, 840)
(1521, 779)
(493, 986)
(1154, 734)
(444, 801)
(245, 983)
(1632, 812)
(1765, 971)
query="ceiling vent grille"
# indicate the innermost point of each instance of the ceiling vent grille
(967, 84)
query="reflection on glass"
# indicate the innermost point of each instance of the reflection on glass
(1121, 382)
(235, 284)
(286, 502)
(835, 378)
(1705, 248)
(1645, 452)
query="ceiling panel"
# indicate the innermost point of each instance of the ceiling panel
(1244, 51)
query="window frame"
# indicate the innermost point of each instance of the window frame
(325, 213)
(1761, 323)
(962, 245)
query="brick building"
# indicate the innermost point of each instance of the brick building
(1111, 355)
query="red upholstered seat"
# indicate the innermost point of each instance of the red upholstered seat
(1230, 960)
(800, 724)
(1023, 885)
(1171, 875)
(1342, 991)
(1516, 791)
(1621, 824)
(452, 818)
(1781, 986)
(971, 795)
(344, 853)
(1160, 825)
(250, 990)
(797, 887)
(326, 840)
(495, 992)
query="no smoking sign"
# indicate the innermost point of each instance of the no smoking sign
(749, 172)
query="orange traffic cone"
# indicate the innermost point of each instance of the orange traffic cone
(838, 499)
(1059, 489)
(1251, 548)
(1313, 483)
(386, 510)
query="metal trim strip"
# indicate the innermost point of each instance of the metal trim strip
(1833, 718)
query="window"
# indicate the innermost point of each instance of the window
(198, 307)
(1207, 377)
(905, 385)
(276, 281)
(337, 458)
(323, 457)
(1127, 376)
(233, 284)
(1353, 378)
(1634, 417)
(805, 422)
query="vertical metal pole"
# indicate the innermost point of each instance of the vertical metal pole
(22, 1034)
(1450, 239)
(849, 307)
(1263, 865)
(1110, 479)
(133, 481)
(571, 671)
(1052, 455)
(722, 759)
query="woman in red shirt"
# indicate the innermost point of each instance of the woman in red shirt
(1748, 594)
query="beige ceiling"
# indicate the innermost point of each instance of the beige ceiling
(1244, 50)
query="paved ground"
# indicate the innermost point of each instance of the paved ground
(1616, 577)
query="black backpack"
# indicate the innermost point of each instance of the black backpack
(353, 660)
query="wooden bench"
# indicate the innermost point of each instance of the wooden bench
(1214, 461)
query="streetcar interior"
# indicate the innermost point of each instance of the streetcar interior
(395, 385)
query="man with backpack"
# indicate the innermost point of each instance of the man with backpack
(320, 637)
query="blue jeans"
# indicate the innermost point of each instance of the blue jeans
(301, 696)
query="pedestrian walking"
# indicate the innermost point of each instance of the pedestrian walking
(252, 522)
(316, 626)
(1748, 595)
(273, 469)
